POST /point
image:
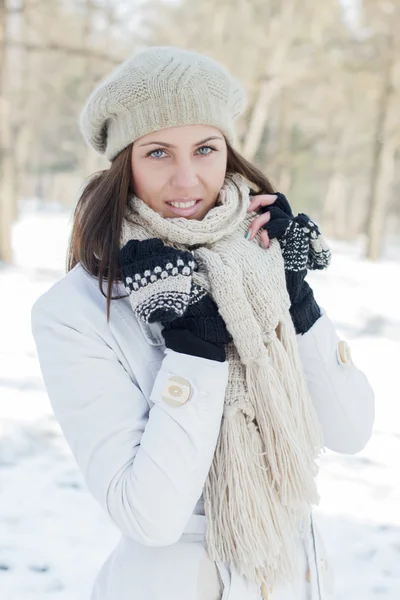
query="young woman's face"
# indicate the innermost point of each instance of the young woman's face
(183, 165)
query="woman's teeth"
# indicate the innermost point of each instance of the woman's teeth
(183, 204)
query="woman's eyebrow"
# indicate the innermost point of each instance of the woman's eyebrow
(214, 137)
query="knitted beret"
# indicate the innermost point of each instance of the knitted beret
(158, 88)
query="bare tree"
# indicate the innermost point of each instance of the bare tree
(322, 93)
(7, 209)
(385, 144)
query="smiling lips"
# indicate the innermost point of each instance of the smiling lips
(184, 207)
(183, 202)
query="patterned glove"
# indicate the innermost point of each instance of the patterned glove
(303, 248)
(201, 331)
(159, 281)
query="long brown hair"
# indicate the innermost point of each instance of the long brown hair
(99, 214)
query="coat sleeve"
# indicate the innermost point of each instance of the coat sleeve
(341, 394)
(146, 467)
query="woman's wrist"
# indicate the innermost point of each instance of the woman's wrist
(186, 342)
(305, 311)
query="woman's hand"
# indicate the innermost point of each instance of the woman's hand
(259, 202)
(302, 248)
(159, 281)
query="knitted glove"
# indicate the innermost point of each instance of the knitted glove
(303, 248)
(201, 331)
(159, 281)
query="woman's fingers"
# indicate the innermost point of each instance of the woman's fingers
(257, 202)
(258, 223)
(261, 200)
(264, 238)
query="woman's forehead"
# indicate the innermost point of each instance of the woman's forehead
(180, 134)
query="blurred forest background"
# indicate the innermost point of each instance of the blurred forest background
(323, 80)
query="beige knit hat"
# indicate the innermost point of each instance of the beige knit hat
(157, 88)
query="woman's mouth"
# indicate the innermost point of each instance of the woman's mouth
(185, 208)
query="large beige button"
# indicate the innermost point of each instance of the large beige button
(343, 354)
(177, 391)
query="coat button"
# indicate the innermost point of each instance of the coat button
(177, 391)
(343, 354)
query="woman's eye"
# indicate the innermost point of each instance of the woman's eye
(207, 148)
(153, 152)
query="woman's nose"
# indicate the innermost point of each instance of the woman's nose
(185, 175)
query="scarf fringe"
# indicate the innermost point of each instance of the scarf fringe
(264, 467)
(295, 381)
(242, 485)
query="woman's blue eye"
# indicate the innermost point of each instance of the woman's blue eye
(208, 147)
(152, 152)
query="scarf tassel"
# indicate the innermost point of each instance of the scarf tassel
(242, 485)
(287, 423)
(269, 446)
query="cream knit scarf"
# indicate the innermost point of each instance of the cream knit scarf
(262, 479)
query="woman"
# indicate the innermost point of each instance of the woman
(191, 370)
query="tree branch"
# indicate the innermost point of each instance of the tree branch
(52, 47)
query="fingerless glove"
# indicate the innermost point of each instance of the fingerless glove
(303, 248)
(159, 281)
(201, 331)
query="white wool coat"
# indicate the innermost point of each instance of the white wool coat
(145, 460)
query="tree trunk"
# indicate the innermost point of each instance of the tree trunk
(336, 201)
(21, 134)
(6, 162)
(382, 173)
(272, 79)
(382, 192)
(258, 119)
(284, 171)
(92, 161)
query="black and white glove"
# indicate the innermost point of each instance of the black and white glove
(303, 248)
(159, 281)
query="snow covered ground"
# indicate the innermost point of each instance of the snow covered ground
(53, 535)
